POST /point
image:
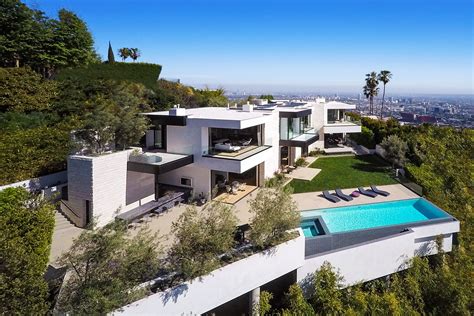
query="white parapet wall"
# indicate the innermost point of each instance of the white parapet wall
(100, 180)
(384, 256)
(224, 284)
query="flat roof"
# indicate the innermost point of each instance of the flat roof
(217, 113)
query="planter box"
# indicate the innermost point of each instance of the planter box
(224, 284)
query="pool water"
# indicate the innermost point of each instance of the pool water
(309, 229)
(349, 218)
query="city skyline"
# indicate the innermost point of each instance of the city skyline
(302, 46)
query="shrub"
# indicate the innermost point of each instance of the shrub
(27, 224)
(315, 152)
(300, 162)
(275, 214)
(200, 238)
(32, 152)
(277, 180)
(364, 138)
(144, 73)
(105, 264)
(395, 150)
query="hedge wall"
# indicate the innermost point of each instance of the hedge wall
(27, 225)
(144, 73)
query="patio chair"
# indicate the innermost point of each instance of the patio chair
(330, 197)
(343, 196)
(380, 192)
(367, 193)
(246, 142)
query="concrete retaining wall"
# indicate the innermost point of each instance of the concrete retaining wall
(45, 183)
(224, 284)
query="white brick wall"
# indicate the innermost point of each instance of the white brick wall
(102, 180)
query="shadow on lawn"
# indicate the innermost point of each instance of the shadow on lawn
(372, 164)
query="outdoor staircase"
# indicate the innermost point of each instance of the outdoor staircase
(62, 222)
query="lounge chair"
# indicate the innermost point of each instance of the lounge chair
(368, 193)
(380, 192)
(343, 196)
(226, 147)
(246, 142)
(330, 197)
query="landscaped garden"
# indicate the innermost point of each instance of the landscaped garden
(346, 172)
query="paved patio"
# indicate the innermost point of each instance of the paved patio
(231, 198)
(304, 173)
(315, 200)
(161, 224)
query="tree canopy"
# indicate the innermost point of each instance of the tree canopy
(106, 264)
(29, 38)
(26, 224)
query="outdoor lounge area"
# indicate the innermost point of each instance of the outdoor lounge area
(231, 187)
(235, 143)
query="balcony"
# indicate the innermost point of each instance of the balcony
(235, 160)
(301, 140)
(344, 125)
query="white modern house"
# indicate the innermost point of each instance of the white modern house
(202, 152)
(205, 152)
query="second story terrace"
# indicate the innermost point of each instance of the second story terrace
(216, 136)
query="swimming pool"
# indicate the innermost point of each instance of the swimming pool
(366, 216)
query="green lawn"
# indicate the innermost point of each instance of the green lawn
(346, 172)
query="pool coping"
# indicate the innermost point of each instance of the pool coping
(397, 229)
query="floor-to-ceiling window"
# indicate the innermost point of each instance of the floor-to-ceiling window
(159, 137)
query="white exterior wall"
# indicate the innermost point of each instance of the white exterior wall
(375, 259)
(342, 128)
(102, 180)
(201, 177)
(367, 261)
(109, 185)
(224, 284)
(272, 137)
(80, 186)
(39, 183)
(184, 140)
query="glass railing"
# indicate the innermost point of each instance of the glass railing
(346, 120)
(236, 152)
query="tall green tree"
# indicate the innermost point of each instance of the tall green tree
(395, 150)
(384, 76)
(106, 264)
(124, 53)
(200, 238)
(371, 89)
(26, 224)
(23, 90)
(110, 54)
(134, 53)
(275, 213)
(77, 44)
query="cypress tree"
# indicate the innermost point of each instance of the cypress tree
(111, 56)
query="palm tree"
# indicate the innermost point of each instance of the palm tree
(371, 89)
(134, 53)
(124, 53)
(385, 77)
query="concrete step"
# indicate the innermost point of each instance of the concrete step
(62, 223)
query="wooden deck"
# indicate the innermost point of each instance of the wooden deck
(230, 198)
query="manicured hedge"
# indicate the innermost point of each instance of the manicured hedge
(137, 72)
(28, 153)
(27, 225)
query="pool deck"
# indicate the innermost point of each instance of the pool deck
(315, 200)
(306, 201)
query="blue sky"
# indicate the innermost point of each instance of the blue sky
(318, 46)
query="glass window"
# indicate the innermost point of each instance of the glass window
(332, 116)
(159, 137)
(306, 123)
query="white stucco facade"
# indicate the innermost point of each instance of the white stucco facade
(224, 284)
